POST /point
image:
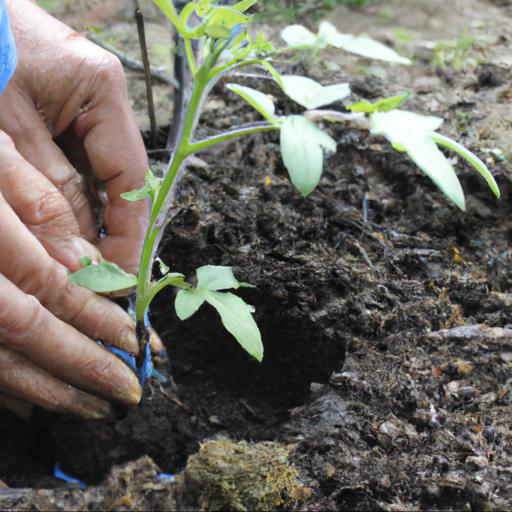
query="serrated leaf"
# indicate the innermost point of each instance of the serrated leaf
(104, 277)
(222, 20)
(302, 144)
(188, 302)
(297, 35)
(412, 133)
(361, 45)
(213, 277)
(383, 105)
(311, 94)
(237, 318)
(261, 102)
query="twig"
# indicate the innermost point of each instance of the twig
(132, 64)
(139, 19)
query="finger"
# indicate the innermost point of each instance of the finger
(155, 341)
(42, 208)
(29, 329)
(39, 275)
(116, 151)
(34, 141)
(22, 379)
(18, 407)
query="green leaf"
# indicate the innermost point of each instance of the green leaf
(471, 158)
(383, 105)
(164, 269)
(148, 191)
(188, 302)
(212, 277)
(261, 102)
(244, 5)
(167, 7)
(221, 21)
(302, 144)
(297, 35)
(273, 71)
(203, 7)
(104, 277)
(237, 318)
(360, 45)
(311, 94)
(413, 133)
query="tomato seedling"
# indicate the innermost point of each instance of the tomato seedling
(216, 43)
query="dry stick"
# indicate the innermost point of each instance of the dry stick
(130, 63)
(139, 18)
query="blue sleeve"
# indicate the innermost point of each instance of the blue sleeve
(8, 58)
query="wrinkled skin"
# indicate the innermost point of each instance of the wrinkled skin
(63, 116)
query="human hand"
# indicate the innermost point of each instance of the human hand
(67, 110)
(47, 323)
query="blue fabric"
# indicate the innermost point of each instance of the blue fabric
(8, 58)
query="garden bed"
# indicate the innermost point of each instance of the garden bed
(377, 408)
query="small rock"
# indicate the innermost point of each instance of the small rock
(477, 462)
(395, 433)
(461, 367)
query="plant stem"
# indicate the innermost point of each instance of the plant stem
(233, 134)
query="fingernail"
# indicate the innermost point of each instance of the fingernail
(127, 340)
(155, 341)
(92, 408)
(129, 390)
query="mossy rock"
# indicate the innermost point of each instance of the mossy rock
(227, 475)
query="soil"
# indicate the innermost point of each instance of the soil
(386, 383)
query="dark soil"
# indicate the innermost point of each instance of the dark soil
(383, 409)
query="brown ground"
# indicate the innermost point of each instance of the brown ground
(383, 386)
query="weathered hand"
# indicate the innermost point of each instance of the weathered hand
(67, 109)
(47, 323)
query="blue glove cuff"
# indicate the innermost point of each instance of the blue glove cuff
(8, 57)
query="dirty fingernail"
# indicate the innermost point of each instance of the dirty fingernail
(127, 340)
(128, 390)
(91, 407)
(155, 342)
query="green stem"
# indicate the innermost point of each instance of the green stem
(190, 57)
(233, 134)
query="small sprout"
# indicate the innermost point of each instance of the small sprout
(383, 105)
(221, 45)
(297, 36)
(148, 191)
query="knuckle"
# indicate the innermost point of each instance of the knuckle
(21, 322)
(46, 208)
(53, 287)
(109, 69)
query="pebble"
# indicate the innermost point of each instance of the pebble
(480, 462)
